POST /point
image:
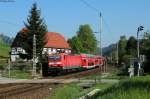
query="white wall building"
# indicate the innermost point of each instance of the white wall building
(56, 43)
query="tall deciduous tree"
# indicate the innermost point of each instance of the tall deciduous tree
(122, 48)
(35, 26)
(75, 44)
(131, 46)
(87, 38)
(145, 46)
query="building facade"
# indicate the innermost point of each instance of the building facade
(56, 43)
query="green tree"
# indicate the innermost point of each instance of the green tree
(35, 26)
(20, 41)
(145, 49)
(75, 44)
(122, 48)
(131, 46)
(113, 56)
(87, 38)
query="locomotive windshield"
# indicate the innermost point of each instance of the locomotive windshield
(54, 58)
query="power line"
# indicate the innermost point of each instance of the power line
(10, 23)
(95, 9)
(100, 15)
(90, 6)
(107, 25)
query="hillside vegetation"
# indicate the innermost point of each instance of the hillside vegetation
(109, 49)
(4, 50)
(5, 42)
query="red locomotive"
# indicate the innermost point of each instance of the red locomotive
(67, 62)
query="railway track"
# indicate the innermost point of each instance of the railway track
(37, 90)
(24, 91)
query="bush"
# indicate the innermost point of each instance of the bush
(147, 67)
(124, 69)
(138, 87)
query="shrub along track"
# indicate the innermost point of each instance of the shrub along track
(25, 91)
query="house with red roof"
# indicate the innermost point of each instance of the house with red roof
(56, 43)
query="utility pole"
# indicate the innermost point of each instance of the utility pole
(9, 67)
(138, 53)
(101, 52)
(101, 49)
(34, 56)
(117, 56)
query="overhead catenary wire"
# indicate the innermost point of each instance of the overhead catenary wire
(100, 15)
(107, 25)
(90, 6)
(10, 23)
(101, 18)
(99, 12)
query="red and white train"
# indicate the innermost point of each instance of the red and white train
(67, 62)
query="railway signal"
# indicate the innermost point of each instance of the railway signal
(140, 28)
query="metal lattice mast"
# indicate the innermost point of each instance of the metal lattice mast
(34, 56)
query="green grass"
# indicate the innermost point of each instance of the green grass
(73, 91)
(17, 74)
(4, 50)
(65, 92)
(113, 74)
(135, 88)
(3, 63)
(17, 70)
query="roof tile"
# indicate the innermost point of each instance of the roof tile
(56, 40)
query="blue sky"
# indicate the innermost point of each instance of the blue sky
(121, 17)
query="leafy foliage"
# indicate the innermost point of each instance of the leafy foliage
(131, 46)
(87, 38)
(75, 44)
(145, 49)
(84, 42)
(108, 50)
(20, 39)
(128, 50)
(122, 50)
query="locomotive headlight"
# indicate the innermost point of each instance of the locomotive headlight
(58, 62)
(52, 63)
